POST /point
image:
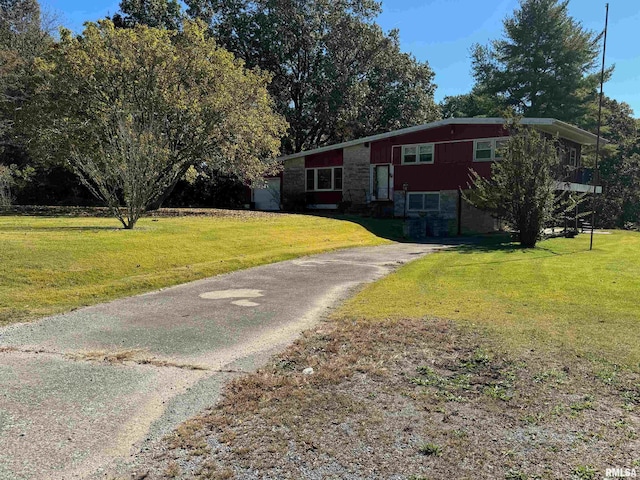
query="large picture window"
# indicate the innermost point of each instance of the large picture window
(423, 201)
(324, 179)
(414, 154)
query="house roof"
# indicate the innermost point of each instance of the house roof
(549, 125)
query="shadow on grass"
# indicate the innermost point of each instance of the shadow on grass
(498, 242)
(388, 228)
(503, 243)
(45, 228)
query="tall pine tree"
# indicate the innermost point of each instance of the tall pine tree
(544, 65)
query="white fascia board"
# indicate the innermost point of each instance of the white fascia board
(549, 125)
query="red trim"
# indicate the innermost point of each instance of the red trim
(332, 158)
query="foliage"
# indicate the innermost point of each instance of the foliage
(56, 264)
(543, 67)
(133, 109)
(203, 188)
(6, 182)
(22, 40)
(336, 74)
(473, 104)
(521, 189)
(10, 178)
(153, 13)
(619, 164)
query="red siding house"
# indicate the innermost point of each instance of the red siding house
(418, 171)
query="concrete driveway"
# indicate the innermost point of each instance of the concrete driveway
(82, 393)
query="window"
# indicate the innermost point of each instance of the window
(408, 154)
(311, 180)
(337, 179)
(319, 179)
(488, 150)
(324, 179)
(573, 157)
(483, 150)
(424, 201)
(500, 145)
(424, 153)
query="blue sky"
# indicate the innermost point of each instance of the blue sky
(442, 31)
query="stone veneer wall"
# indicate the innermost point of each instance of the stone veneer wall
(477, 221)
(437, 224)
(293, 178)
(355, 174)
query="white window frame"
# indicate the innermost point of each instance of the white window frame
(573, 157)
(493, 141)
(417, 146)
(409, 209)
(315, 179)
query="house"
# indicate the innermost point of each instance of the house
(416, 171)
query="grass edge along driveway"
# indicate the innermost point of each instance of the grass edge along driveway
(50, 265)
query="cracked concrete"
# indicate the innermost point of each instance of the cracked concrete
(82, 393)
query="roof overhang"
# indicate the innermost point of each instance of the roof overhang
(548, 125)
(564, 130)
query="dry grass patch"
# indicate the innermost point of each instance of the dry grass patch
(413, 399)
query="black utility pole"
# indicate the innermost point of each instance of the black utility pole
(594, 180)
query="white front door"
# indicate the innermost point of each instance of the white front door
(381, 182)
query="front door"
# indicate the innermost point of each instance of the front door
(381, 182)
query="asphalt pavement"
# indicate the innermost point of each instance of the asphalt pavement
(82, 393)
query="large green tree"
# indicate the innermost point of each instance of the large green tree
(24, 38)
(153, 13)
(336, 74)
(22, 41)
(132, 109)
(544, 64)
(619, 165)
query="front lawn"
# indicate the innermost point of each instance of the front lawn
(52, 265)
(558, 295)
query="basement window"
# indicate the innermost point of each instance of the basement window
(424, 201)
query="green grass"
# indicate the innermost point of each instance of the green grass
(559, 295)
(52, 265)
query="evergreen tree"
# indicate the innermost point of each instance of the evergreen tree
(544, 65)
